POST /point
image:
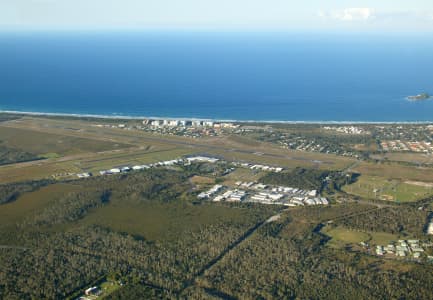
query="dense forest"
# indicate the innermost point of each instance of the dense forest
(406, 221)
(296, 264)
(67, 253)
(147, 230)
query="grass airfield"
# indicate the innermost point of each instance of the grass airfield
(70, 146)
(74, 146)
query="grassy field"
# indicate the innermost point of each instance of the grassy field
(382, 238)
(59, 168)
(28, 203)
(373, 187)
(395, 171)
(363, 147)
(155, 221)
(74, 146)
(36, 170)
(243, 174)
(202, 180)
(89, 130)
(109, 287)
(267, 153)
(49, 145)
(139, 157)
(286, 159)
(93, 155)
(232, 147)
(341, 236)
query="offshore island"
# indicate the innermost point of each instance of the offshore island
(419, 97)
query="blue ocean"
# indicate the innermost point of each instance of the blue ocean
(225, 76)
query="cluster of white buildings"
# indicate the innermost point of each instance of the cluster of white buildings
(215, 189)
(165, 163)
(202, 159)
(288, 196)
(184, 161)
(115, 171)
(401, 249)
(398, 145)
(267, 197)
(84, 175)
(251, 185)
(260, 193)
(347, 129)
(231, 196)
(259, 167)
(157, 123)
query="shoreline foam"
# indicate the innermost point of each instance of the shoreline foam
(131, 117)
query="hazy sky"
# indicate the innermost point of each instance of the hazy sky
(322, 15)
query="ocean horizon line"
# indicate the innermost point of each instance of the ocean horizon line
(115, 116)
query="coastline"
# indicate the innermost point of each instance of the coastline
(418, 100)
(130, 117)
